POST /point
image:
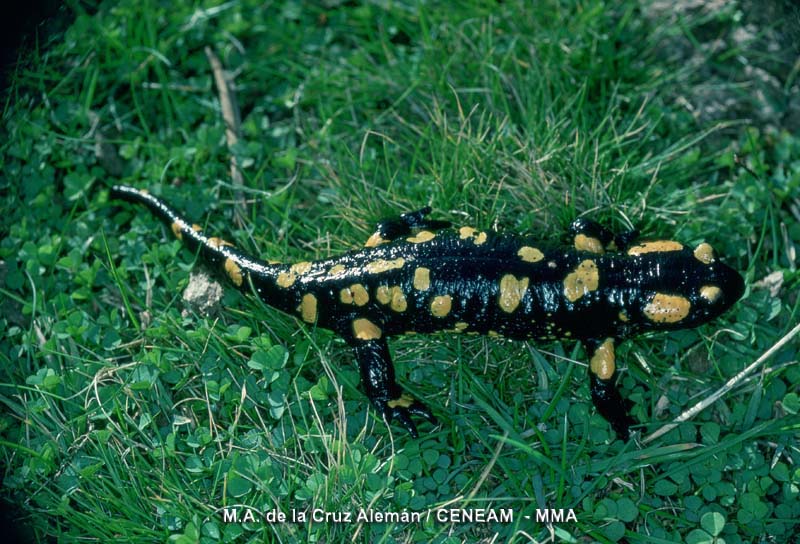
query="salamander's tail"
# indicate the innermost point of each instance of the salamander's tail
(218, 253)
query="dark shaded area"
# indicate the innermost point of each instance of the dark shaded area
(25, 24)
(14, 529)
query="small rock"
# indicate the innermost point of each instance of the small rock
(203, 293)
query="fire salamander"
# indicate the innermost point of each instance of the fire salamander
(417, 274)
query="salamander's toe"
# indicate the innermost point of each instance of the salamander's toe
(622, 426)
(403, 408)
(419, 409)
(404, 418)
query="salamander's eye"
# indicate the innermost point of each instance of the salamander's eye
(705, 253)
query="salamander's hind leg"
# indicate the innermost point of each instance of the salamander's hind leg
(605, 395)
(388, 398)
(593, 237)
(389, 229)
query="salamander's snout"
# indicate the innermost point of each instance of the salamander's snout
(722, 285)
(735, 284)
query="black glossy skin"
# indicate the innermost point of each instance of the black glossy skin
(467, 272)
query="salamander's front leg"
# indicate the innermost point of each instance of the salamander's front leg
(388, 398)
(389, 229)
(605, 395)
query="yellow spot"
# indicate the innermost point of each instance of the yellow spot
(461, 326)
(466, 232)
(622, 316)
(704, 253)
(364, 329)
(393, 296)
(355, 294)
(399, 303)
(655, 247)
(404, 401)
(710, 292)
(382, 265)
(300, 268)
(286, 279)
(667, 308)
(217, 243)
(233, 271)
(375, 240)
(422, 236)
(176, 230)
(493, 334)
(469, 232)
(383, 294)
(588, 243)
(422, 278)
(582, 280)
(308, 308)
(530, 254)
(440, 306)
(144, 192)
(602, 362)
(336, 270)
(196, 227)
(360, 295)
(511, 292)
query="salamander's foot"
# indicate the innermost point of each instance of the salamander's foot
(402, 409)
(388, 398)
(612, 406)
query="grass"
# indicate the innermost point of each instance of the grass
(130, 417)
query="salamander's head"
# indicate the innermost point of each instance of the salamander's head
(682, 287)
